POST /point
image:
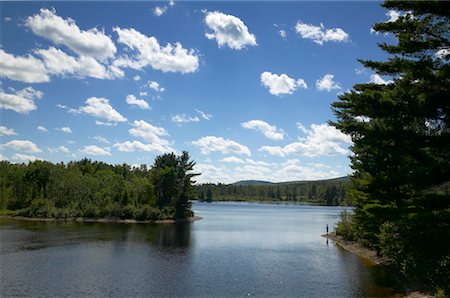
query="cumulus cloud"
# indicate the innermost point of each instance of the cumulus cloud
(137, 78)
(393, 15)
(228, 30)
(155, 86)
(203, 115)
(132, 100)
(102, 140)
(319, 34)
(5, 131)
(281, 84)
(58, 62)
(90, 43)
(168, 58)
(320, 140)
(234, 159)
(212, 174)
(26, 69)
(22, 145)
(327, 84)
(64, 129)
(139, 146)
(270, 131)
(210, 144)
(24, 157)
(60, 149)
(101, 123)
(159, 10)
(100, 108)
(376, 79)
(95, 150)
(21, 101)
(149, 133)
(282, 33)
(42, 129)
(182, 118)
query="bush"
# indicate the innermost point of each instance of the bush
(344, 227)
(147, 213)
(41, 208)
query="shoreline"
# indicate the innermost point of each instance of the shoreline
(409, 290)
(102, 220)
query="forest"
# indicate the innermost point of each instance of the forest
(401, 149)
(323, 192)
(94, 189)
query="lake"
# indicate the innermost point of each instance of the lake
(236, 250)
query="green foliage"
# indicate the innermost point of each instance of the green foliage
(97, 190)
(345, 227)
(401, 147)
(326, 192)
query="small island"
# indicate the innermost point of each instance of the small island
(94, 191)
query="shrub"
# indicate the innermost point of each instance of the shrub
(344, 227)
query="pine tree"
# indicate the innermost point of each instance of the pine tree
(401, 134)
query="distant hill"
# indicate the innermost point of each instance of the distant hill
(252, 182)
(323, 192)
(260, 182)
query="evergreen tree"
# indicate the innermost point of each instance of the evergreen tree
(400, 132)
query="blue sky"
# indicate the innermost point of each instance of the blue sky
(245, 87)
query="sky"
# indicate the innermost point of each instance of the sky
(245, 87)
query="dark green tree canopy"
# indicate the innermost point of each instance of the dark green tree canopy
(401, 143)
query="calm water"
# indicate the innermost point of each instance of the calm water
(236, 250)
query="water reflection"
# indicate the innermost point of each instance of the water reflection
(22, 235)
(235, 250)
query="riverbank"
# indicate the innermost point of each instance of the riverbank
(103, 220)
(410, 290)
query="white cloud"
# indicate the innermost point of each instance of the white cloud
(376, 79)
(5, 131)
(210, 144)
(159, 10)
(234, 159)
(270, 131)
(443, 53)
(168, 58)
(2, 157)
(132, 100)
(64, 129)
(137, 78)
(362, 119)
(60, 149)
(212, 174)
(281, 84)
(155, 86)
(282, 33)
(21, 101)
(102, 140)
(95, 150)
(143, 93)
(204, 115)
(100, 108)
(7, 19)
(182, 118)
(319, 34)
(42, 129)
(326, 83)
(24, 157)
(101, 123)
(139, 146)
(90, 43)
(228, 30)
(58, 62)
(393, 15)
(61, 106)
(22, 145)
(321, 140)
(26, 69)
(150, 133)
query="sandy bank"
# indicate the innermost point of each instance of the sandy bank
(103, 220)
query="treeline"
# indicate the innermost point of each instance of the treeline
(94, 189)
(326, 192)
(401, 144)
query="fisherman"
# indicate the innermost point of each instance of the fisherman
(327, 229)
